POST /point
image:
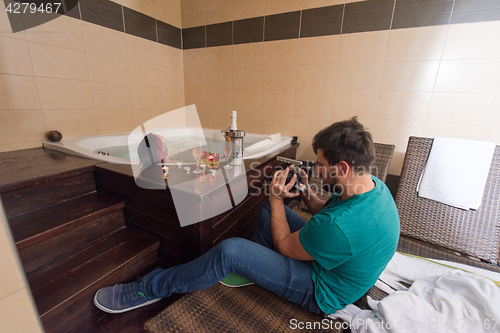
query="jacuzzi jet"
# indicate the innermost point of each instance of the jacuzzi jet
(234, 138)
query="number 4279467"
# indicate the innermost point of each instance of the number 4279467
(27, 7)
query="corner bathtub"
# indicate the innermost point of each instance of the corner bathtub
(256, 145)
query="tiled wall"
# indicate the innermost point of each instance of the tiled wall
(87, 76)
(405, 68)
(17, 313)
(81, 77)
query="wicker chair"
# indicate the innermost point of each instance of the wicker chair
(380, 167)
(434, 230)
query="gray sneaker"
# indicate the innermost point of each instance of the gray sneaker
(121, 298)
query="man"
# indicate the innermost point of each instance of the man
(321, 265)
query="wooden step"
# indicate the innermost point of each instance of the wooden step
(38, 225)
(52, 271)
(55, 249)
(38, 193)
(80, 284)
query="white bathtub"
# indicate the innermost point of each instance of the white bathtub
(89, 146)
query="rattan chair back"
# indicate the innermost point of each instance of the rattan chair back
(474, 232)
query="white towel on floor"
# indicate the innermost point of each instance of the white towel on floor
(456, 172)
(441, 299)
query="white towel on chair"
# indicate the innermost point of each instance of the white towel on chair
(456, 172)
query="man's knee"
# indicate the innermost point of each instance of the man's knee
(231, 246)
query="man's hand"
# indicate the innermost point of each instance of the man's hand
(278, 190)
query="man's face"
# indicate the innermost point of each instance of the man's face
(325, 171)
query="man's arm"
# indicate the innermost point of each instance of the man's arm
(285, 243)
(313, 203)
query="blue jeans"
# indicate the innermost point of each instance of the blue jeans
(256, 261)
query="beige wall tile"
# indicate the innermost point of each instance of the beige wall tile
(313, 103)
(320, 3)
(248, 55)
(494, 118)
(72, 123)
(144, 115)
(170, 56)
(10, 275)
(5, 28)
(473, 40)
(218, 11)
(282, 6)
(103, 68)
(278, 101)
(432, 130)
(144, 74)
(396, 132)
(220, 57)
(490, 134)
(20, 146)
(169, 11)
(315, 77)
(271, 123)
(318, 50)
(172, 77)
(403, 106)
(199, 99)
(424, 43)
(64, 94)
(477, 76)
(358, 76)
(248, 105)
(21, 125)
(104, 41)
(219, 107)
(195, 58)
(409, 76)
(220, 78)
(144, 97)
(63, 31)
(363, 47)
(279, 78)
(17, 313)
(460, 109)
(192, 13)
(247, 78)
(397, 162)
(142, 6)
(15, 57)
(111, 95)
(143, 50)
(15, 98)
(281, 52)
(115, 120)
(195, 78)
(245, 9)
(58, 62)
(354, 103)
(305, 151)
(172, 99)
(306, 126)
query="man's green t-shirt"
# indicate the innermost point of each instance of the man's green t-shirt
(352, 241)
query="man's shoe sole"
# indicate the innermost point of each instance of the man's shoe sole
(105, 309)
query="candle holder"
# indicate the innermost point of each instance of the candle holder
(213, 160)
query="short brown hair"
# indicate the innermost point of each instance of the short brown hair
(347, 141)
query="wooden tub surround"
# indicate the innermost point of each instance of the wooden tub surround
(80, 225)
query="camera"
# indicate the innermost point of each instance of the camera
(295, 170)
